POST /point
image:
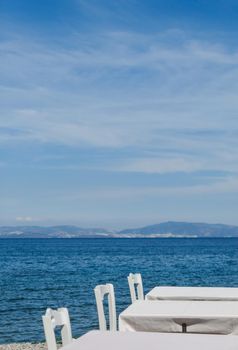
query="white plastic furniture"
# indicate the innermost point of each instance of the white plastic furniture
(101, 291)
(53, 319)
(136, 287)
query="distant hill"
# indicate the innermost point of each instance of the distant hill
(64, 231)
(173, 228)
(165, 229)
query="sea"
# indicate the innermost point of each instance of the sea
(40, 273)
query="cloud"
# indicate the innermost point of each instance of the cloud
(109, 193)
(163, 165)
(172, 163)
(24, 219)
(167, 97)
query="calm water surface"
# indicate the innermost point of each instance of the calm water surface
(40, 273)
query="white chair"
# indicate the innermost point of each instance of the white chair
(100, 292)
(53, 319)
(136, 287)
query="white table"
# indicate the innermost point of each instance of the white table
(193, 293)
(212, 317)
(97, 340)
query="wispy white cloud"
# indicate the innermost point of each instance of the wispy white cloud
(109, 193)
(163, 165)
(162, 92)
(24, 219)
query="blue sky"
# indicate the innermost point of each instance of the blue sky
(118, 113)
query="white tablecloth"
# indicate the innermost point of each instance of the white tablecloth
(193, 293)
(212, 317)
(97, 340)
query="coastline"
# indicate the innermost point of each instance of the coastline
(23, 346)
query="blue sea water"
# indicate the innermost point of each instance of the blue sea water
(40, 273)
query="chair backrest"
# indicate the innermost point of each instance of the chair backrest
(53, 319)
(100, 292)
(136, 287)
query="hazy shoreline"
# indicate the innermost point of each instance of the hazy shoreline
(120, 237)
(169, 229)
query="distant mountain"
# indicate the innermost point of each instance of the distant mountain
(165, 229)
(187, 229)
(63, 231)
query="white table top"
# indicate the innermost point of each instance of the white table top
(193, 293)
(183, 308)
(219, 317)
(96, 340)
